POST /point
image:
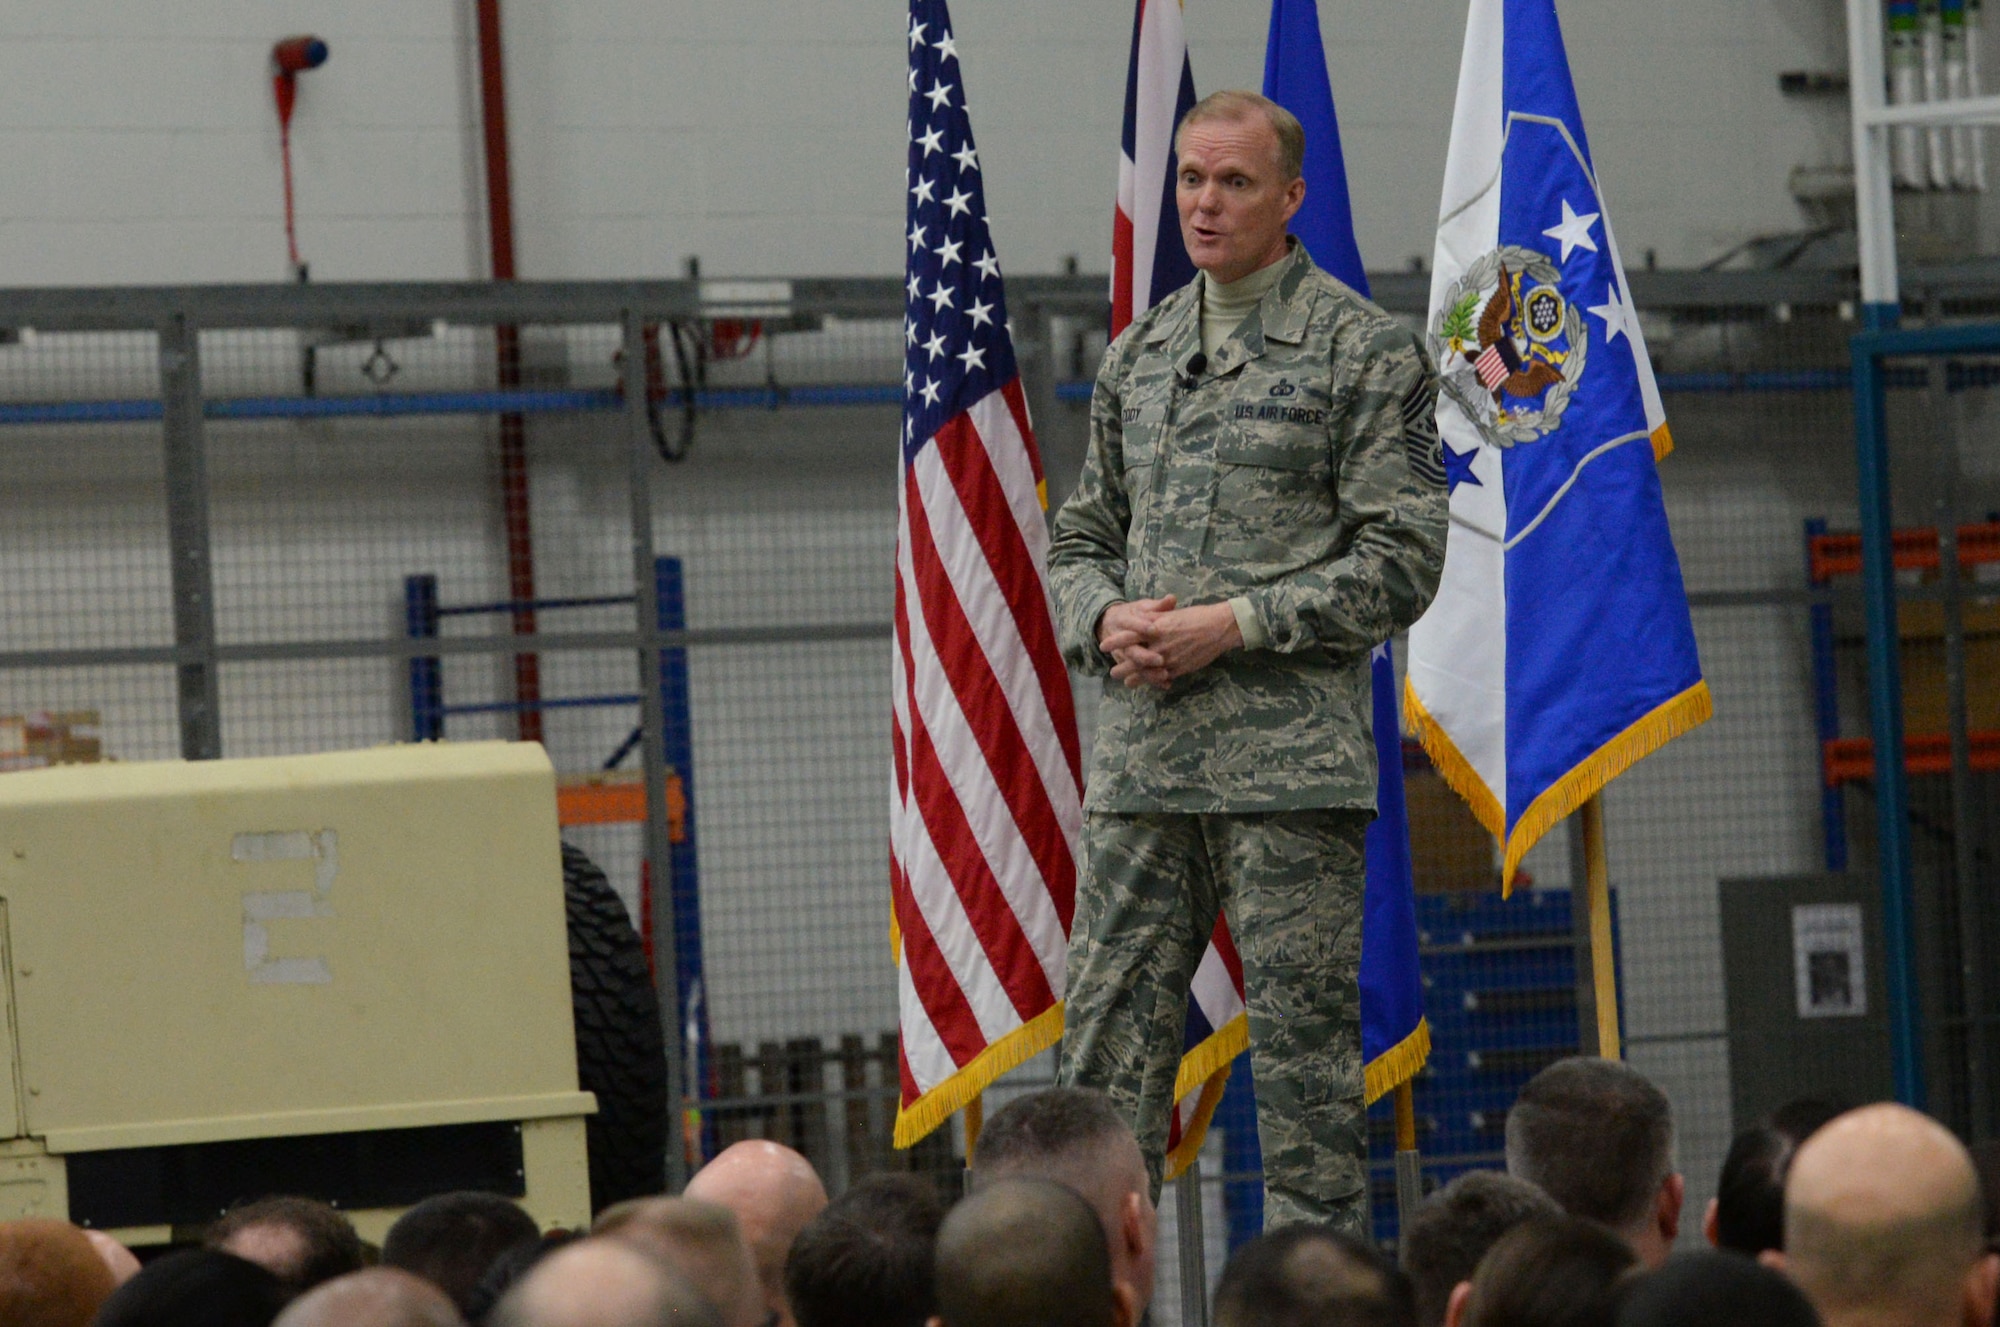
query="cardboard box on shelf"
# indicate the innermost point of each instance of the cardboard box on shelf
(46, 737)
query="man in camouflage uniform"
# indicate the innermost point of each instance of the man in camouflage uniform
(1262, 505)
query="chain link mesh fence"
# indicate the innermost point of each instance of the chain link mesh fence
(356, 455)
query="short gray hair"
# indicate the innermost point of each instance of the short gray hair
(1233, 105)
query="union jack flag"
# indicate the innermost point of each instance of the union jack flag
(1148, 263)
(1148, 260)
(987, 797)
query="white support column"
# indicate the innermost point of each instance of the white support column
(1874, 205)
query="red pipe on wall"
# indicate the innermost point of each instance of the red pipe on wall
(507, 342)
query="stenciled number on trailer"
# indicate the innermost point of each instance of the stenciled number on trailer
(264, 907)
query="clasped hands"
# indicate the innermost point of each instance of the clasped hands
(1151, 642)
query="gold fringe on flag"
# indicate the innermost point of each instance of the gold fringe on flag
(1666, 721)
(1663, 444)
(945, 1100)
(1397, 1065)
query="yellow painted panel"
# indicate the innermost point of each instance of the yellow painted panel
(10, 1082)
(354, 934)
(557, 1162)
(32, 1183)
(352, 1119)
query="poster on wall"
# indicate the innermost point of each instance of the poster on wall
(1826, 959)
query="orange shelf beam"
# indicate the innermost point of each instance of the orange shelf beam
(1850, 759)
(1914, 550)
(622, 801)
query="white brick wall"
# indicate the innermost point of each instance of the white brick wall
(138, 140)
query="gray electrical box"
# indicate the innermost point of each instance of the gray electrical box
(1803, 970)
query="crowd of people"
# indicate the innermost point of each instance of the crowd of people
(1873, 1217)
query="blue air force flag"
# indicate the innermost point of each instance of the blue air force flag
(1559, 650)
(1395, 1040)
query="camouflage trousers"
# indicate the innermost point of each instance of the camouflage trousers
(1290, 883)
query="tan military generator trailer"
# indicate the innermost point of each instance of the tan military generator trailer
(344, 975)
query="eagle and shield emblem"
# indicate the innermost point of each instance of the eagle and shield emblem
(1509, 348)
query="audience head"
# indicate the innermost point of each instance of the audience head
(1454, 1228)
(1747, 1214)
(451, 1240)
(1713, 1289)
(50, 1275)
(1312, 1276)
(373, 1297)
(698, 1240)
(1883, 1224)
(773, 1191)
(1549, 1271)
(124, 1264)
(1076, 1137)
(509, 1268)
(602, 1283)
(866, 1260)
(196, 1288)
(1986, 1161)
(1027, 1251)
(301, 1241)
(1598, 1138)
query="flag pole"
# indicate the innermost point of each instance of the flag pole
(975, 1120)
(1597, 900)
(1409, 1163)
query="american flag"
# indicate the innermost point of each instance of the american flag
(987, 796)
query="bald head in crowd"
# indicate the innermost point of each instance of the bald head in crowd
(1027, 1251)
(377, 1297)
(1884, 1227)
(601, 1282)
(700, 1241)
(774, 1192)
(1076, 1137)
(50, 1275)
(1598, 1137)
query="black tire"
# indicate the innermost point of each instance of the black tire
(621, 1049)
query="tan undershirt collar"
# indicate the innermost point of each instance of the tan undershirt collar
(1224, 306)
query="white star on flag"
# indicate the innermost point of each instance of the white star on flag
(947, 48)
(935, 346)
(958, 201)
(989, 266)
(932, 141)
(948, 252)
(1616, 314)
(917, 34)
(940, 95)
(1574, 232)
(924, 190)
(940, 298)
(973, 358)
(916, 238)
(966, 158)
(930, 391)
(914, 284)
(981, 314)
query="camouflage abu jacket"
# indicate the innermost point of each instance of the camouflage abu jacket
(1300, 475)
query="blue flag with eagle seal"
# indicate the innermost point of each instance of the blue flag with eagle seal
(1395, 1039)
(1559, 650)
